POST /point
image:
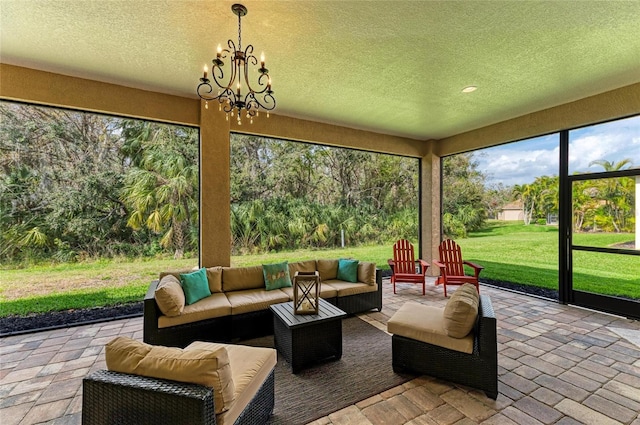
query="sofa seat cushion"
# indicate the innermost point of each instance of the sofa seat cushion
(254, 300)
(206, 364)
(250, 367)
(215, 305)
(326, 291)
(347, 288)
(426, 323)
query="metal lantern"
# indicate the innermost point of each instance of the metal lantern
(306, 292)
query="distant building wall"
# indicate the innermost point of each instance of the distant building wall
(511, 215)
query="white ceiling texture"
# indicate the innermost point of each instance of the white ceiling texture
(393, 67)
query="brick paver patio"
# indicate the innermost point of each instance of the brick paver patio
(557, 365)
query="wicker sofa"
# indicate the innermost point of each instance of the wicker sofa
(477, 368)
(238, 307)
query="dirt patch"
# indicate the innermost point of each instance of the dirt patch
(625, 245)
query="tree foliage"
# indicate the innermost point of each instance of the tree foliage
(76, 185)
(66, 183)
(465, 200)
(290, 195)
(598, 205)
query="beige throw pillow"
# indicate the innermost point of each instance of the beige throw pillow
(367, 273)
(461, 311)
(203, 366)
(170, 296)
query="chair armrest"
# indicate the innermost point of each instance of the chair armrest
(487, 329)
(392, 265)
(441, 266)
(423, 266)
(113, 397)
(476, 267)
(473, 265)
(151, 312)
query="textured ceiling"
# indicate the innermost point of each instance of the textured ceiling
(395, 67)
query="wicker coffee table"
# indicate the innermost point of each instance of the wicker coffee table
(306, 339)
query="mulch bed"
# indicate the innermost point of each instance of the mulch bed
(13, 325)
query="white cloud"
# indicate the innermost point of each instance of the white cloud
(521, 162)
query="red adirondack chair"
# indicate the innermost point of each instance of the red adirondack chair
(403, 265)
(452, 265)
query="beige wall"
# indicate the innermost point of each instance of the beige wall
(28, 85)
(619, 103)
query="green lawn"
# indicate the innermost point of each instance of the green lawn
(509, 252)
(514, 252)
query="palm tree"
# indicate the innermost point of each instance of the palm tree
(614, 193)
(162, 190)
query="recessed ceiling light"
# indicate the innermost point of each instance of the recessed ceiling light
(469, 89)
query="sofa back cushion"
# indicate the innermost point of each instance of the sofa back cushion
(328, 269)
(170, 296)
(301, 266)
(214, 275)
(208, 367)
(367, 273)
(239, 278)
(461, 311)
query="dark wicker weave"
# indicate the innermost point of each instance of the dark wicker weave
(358, 303)
(305, 339)
(113, 398)
(251, 325)
(237, 327)
(478, 369)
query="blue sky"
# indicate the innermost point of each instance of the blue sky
(521, 162)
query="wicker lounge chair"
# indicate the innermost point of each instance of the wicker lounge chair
(478, 369)
(118, 398)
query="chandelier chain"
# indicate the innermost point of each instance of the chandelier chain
(240, 31)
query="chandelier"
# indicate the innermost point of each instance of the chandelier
(240, 94)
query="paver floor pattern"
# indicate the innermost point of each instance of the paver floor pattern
(557, 364)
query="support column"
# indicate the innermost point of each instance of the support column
(215, 188)
(430, 209)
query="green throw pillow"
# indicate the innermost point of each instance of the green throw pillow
(276, 275)
(348, 270)
(195, 286)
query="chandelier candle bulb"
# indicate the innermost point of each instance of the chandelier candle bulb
(219, 51)
(262, 60)
(206, 69)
